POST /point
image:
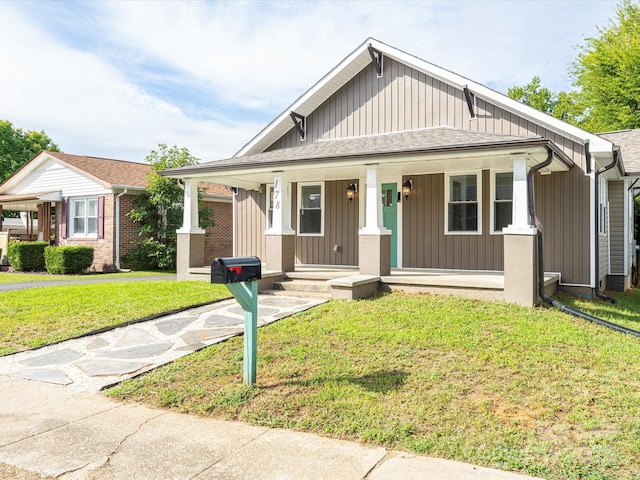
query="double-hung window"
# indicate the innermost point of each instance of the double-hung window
(269, 207)
(462, 199)
(602, 206)
(502, 200)
(84, 217)
(310, 208)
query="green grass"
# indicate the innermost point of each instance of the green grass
(521, 389)
(626, 312)
(38, 316)
(15, 277)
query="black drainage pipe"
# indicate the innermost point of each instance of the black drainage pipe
(552, 301)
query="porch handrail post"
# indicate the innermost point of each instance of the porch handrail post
(190, 221)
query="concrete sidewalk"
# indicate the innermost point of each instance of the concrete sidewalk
(55, 431)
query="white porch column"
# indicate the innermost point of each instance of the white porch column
(190, 237)
(280, 238)
(520, 244)
(374, 240)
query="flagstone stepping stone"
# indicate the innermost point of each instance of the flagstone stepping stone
(193, 347)
(195, 336)
(50, 376)
(57, 357)
(216, 320)
(281, 302)
(107, 368)
(135, 336)
(174, 325)
(139, 351)
(262, 311)
(97, 342)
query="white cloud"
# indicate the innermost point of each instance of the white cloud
(230, 67)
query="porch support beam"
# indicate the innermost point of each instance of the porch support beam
(280, 238)
(190, 237)
(374, 240)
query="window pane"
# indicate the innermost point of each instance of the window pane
(93, 208)
(463, 217)
(79, 208)
(463, 188)
(502, 215)
(310, 221)
(311, 196)
(92, 225)
(504, 186)
(78, 225)
(387, 198)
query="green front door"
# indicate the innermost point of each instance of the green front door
(390, 217)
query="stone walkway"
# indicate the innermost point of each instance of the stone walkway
(94, 362)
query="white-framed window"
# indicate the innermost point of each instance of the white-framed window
(501, 200)
(269, 206)
(84, 217)
(602, 206)
(463, 212)
(311, 209)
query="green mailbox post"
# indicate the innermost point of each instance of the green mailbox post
(241, 276)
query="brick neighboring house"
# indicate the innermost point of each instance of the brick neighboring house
(87, 200)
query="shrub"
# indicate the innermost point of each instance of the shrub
(62, 260)
(27, 256)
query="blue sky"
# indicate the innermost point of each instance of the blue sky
(114, 79)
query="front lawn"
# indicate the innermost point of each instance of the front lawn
(522, 389)
(38, 316)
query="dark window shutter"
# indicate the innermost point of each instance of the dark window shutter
(64, 230)
(101, 217)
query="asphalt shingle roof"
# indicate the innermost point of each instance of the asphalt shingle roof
(629, 143)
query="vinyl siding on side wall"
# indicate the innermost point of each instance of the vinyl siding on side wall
(616, 224)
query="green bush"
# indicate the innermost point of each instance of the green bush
(62, 260)
(27, 256)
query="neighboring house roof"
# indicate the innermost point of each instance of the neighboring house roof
(361, 57)
(427, 141)
(629, 143)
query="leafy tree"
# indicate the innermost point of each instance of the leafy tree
(561, 105)
(158, 211)
(17, 147)
(607, 72)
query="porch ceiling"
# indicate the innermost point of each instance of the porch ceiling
(25, 202)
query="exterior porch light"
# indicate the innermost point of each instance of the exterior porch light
(351, 191)
(406, 188)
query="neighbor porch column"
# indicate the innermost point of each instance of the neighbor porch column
(520, 242)
(190, 237)
(374, 239)
(280, 238)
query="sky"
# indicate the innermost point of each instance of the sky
(116, 78)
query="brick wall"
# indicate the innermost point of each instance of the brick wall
(218, 240)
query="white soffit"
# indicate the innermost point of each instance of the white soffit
(360, 58)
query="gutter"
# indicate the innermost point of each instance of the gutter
(117, 222)
(552, 301)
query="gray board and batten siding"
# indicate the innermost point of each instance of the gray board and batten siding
(407, 99)
(617, 192)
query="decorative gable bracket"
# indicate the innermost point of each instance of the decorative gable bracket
(471, 101)
(376, 58)
(300, 121)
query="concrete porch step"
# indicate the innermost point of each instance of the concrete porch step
(310, 286)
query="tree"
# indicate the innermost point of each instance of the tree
(17, 147)
(158, 211)
(560, 105)
(607, 72)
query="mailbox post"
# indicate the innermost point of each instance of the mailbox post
(241, 276)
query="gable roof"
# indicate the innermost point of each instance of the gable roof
(360, 58)
(629, 143)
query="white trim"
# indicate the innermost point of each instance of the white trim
(625, 230)
(72, 216)
(592, 229)
(447, 176)
(492, 201)
(397, 181)
(268, 225)
(299, 208)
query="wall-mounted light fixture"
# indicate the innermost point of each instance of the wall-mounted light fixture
(351, 191)
(406, 188)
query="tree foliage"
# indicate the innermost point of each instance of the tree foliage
(158, 212)
(607, 72)
(17, 147)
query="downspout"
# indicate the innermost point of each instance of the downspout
(117, 221)
(552, 301)
(596, 240)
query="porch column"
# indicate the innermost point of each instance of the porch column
(280, 238)
(190, 237)
(520, 244)
(374, 239)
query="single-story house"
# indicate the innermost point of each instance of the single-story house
(82, 200)
(390, 164)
